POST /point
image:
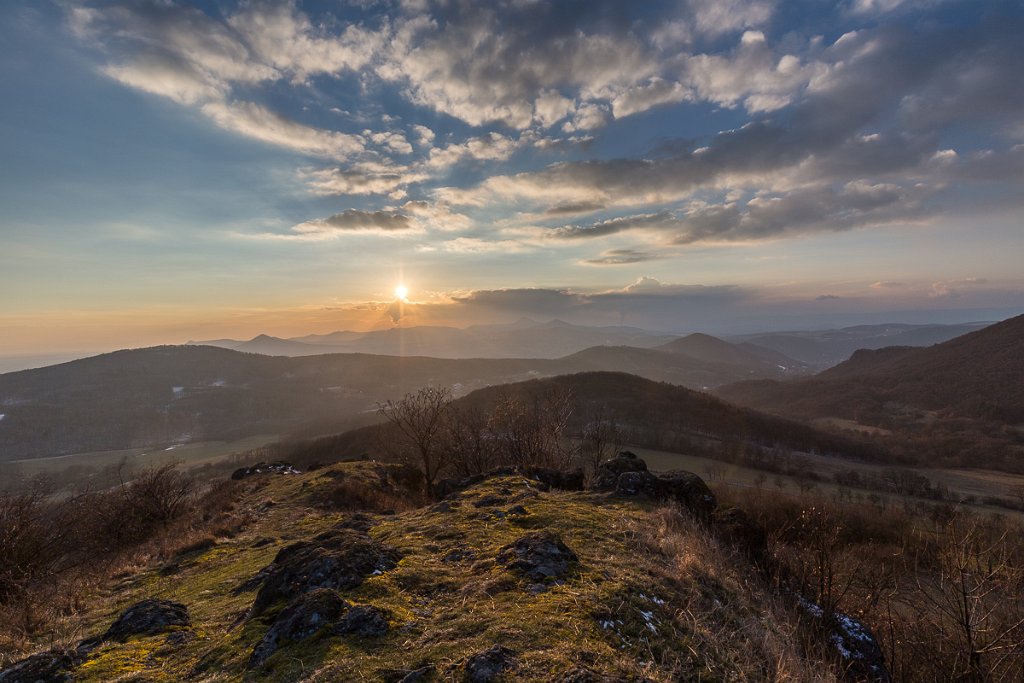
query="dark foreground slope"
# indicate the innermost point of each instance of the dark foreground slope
(970, 389)
(176, 394)
(505, 581)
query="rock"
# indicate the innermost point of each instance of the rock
(54, 666)
(735, 526)
(638, 484)
(262, 467)
(556, 479)
(340, 559)
(540, 557)
(859, 649)
(862, 656)
(147, 618)
(364, 622)
(608, 472)
(484, 667)
(685, 488)
(517, 510)
(305, 616)
(359, 521)
(489, 501)
(690, 491)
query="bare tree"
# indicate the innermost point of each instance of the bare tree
(530, 431)
(601, 440)
(469, 442)
(420, 421)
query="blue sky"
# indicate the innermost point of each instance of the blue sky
(175, 170)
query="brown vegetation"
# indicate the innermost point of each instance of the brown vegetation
(942, 589)
(55, 550)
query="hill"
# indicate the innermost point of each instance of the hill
(967, 389)
(175, 394)
(825, 348)
(643, 412)
(714, 350)
(312, 579)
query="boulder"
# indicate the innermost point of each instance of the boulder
(147, 618)
(690, 491)
(639, 484)
(340, 559)
(735, 526)
(631, 478)
(608, 472)
(540, 557)
(485, 666)
(555, 479)
(305, 616)
(364, 621)
(54, 666)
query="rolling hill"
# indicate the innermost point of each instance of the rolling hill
(969, 388)
(178, 394)
(825, 348)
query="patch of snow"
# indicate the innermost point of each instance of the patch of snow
(178, 391)
(3, 415)
(219, 383)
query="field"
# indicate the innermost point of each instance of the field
(962, 483)
(190, 455)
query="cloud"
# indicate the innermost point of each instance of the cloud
(352, 220)
(827, 297)
(285, 38)
(363, 178)
(952, 289)
(259, 123)
(619, 257)
(490, 147)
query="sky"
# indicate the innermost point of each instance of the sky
(185, 170)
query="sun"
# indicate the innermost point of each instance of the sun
(402, 293)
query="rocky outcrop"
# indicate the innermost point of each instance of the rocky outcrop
(486, 666)
(363, 621)
(609, 471)
(306, 615)
(264, 468)
(312, 612)
(544, 478)
(541, 557)
(54, 666)
(340, 559)
(148, 618)
(627, 475)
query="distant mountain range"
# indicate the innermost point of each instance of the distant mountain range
(524, 338)
(964, 396)
(824, 348)
(174, 394)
